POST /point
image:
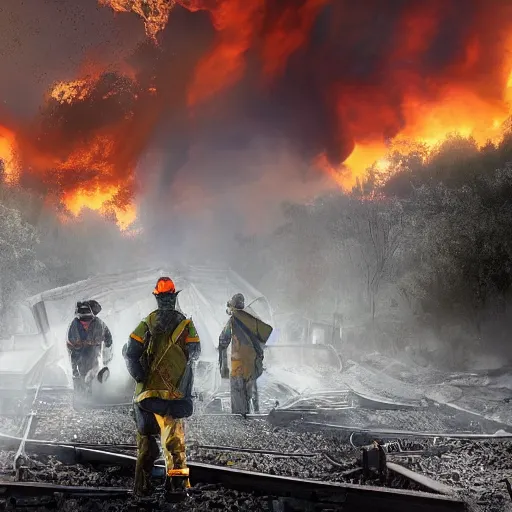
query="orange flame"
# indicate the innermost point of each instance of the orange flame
(362, 157)
(86, 170)
(8, 155)
(365, 108)
(154, 13)
(97, 156)
(458, 112)
(467, 103)
(100, 198)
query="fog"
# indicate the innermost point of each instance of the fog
(387, 288)
(409, 263)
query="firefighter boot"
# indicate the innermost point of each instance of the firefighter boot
(147, 454)
(173, 445)
(177, 480)
(181, 483)
(177, 484)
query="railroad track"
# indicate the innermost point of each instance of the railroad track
(331, 494)
(28, 424)
(439, 497)
(348, 497)
(397, 433)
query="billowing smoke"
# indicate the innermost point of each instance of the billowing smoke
(218, 90)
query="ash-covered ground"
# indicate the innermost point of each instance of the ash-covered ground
(474, 468)
(200, 499)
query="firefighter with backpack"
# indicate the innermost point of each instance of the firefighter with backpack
(247, 335)
(160, 355)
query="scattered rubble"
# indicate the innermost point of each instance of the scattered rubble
(474, 468)
(58, 420)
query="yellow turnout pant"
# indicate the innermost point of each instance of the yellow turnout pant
(172, 441)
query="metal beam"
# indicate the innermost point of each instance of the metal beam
(423, 480)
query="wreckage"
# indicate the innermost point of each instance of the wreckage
(390, 414)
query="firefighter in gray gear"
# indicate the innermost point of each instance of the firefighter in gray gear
(247, 335)
(88, 339)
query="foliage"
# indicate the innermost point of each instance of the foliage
(430, 241)
(426, 246)
(39, 249)
(21, 268)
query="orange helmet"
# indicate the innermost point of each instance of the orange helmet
(164, 285)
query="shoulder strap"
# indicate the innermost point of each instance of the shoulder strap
(255, 342)
(148, 337)
(179, 330)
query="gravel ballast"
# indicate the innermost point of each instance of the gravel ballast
(475, 469)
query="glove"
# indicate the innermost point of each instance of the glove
(107, 355)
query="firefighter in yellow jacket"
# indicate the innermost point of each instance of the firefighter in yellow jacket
(247, 335)
(159, 355)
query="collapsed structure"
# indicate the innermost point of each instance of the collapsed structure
(44, 319)
(386, 408)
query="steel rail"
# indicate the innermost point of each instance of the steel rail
(29, 424)
(253, 450)
(23, 489)
(7, 441)
(408, 433)
(70, 451)
(351, 497)
(195, 447)
(236, 449)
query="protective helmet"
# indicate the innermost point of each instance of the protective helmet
(237, 301)
(164, 285)
(83, 311)
(95, 306)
